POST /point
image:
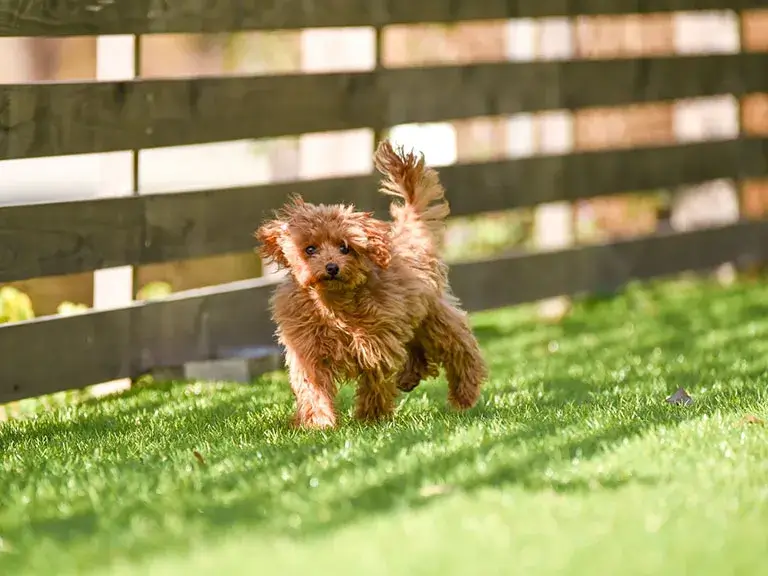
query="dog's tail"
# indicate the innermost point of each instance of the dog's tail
(407, 176)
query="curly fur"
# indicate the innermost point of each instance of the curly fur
(387, 318)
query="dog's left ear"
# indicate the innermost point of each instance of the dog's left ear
(270, 235)
(377, 240)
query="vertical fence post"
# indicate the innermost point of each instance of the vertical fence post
(324, 50)
(554, 222)
(753, 120)
(117, 58)
(545, 132)
(379, 133)
(710, 203)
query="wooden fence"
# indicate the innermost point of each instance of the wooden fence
(57, 353)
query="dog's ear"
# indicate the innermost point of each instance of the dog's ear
(269, 236)
(377, 240)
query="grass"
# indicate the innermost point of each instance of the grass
(572, 464)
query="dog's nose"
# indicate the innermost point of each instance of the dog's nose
(332, 269)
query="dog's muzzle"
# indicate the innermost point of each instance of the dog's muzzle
(332, 270)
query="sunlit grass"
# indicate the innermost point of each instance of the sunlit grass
(572, 464)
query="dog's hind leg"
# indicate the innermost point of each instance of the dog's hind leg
(450, 336)
(417, 367)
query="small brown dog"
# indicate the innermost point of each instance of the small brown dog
(368, 299)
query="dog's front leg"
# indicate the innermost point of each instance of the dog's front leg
(376, 394)
(314, 389)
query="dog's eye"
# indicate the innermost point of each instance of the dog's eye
(344, 249)
(310, 250)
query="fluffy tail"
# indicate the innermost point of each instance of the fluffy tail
(407, 176)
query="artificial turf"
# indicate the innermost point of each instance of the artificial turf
(572, 464)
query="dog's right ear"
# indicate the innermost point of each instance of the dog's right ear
(270, 236)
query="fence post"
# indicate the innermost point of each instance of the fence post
(753, 121)
(554, 223)
(709, 203)
(117, 58)
(378, 64)
(324, 50)
(529, 134)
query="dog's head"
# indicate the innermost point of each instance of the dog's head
(328, 247)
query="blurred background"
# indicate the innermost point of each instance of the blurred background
(167, 170)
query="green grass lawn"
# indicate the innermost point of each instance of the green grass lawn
(572, 464)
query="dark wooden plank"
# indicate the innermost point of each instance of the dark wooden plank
(216, 222)
(201, 324)
(68, 237)
(213, 222)
(89, 17)
(529, 277)
(58, 119)
(55, 238)
(53, 354)
(526, 182)
(63, 237)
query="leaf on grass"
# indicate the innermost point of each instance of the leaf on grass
(199, 457)
(432, 490)
(751, 419)
(680, 397)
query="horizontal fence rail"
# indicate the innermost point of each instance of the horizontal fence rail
(90, 17)
(78, 236)
(75, 118)
(53, 354)
(605, 267)
(198, 325)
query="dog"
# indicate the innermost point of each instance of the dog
(369, 300)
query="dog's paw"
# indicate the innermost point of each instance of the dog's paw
(463, 399)
(407, 385)
(314, 422)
